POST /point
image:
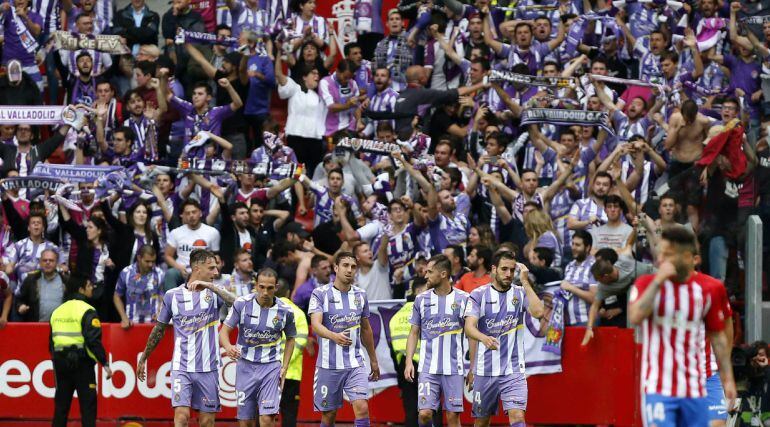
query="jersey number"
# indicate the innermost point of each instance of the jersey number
(177, 385)
(241, 398)
(425, 387)
(477, 398)
(656, 412)
(324, 391)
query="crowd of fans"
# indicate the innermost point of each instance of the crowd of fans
(448, 85)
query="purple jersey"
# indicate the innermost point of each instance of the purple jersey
(19, 42)
(578, 274)
(500, 315)
(245, 18)
(210, 121)
(260, 329)
(584, 208)
(445, 231)
(342, 312)
(440, 319)
(330, 90)
(142, 293)
(324, 203)
(195, 316)
(26, 256)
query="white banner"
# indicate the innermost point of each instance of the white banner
(380, 314)
(31, 114)
(533, 337)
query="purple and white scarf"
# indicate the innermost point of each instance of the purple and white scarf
(510, 77)
(554, 334)
(563, 117)
(73, 173)
(183, 37)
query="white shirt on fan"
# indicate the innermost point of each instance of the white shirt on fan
(185, 240)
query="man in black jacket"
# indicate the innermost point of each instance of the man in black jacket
(147, 30)
(42, 291)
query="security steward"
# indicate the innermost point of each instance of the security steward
(290, 394)
(76, 346)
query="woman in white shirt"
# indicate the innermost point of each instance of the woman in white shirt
(307, 113)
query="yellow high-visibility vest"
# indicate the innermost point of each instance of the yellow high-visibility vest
(66, 326)
(300, 341)
(399, 332)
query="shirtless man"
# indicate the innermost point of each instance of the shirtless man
(687, 130)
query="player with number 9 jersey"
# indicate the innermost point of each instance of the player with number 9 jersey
(339, 314)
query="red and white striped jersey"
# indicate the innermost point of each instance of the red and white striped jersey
(674, 336)
(711, 366)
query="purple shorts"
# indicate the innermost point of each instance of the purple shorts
(257, 384)
(511, 389)
(196, 390)
(431, 386)
(328, 385)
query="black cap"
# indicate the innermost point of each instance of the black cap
(296, 228)
(233, 58)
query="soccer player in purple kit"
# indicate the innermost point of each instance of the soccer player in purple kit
(193, 308)
(339, 314)
(437, 321)
(493, 315)
(261, 319)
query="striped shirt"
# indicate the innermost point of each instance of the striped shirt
(578, 274)
(142, 292)
(384, 102)
(331, 92)
(245, 18)
(500, 315)
(674, 336)
(342, 311)
(26, 256)
(440, 319)
(445, 231)
(584, 208)
(50, 11)
(560, 207)
(195, 316)
(276, 9)
(260, 330)
(324, 204)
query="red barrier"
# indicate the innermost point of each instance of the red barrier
(598, 385)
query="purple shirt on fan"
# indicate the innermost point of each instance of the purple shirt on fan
(142, 293)
(445, 231)
(440, 319)
(342, 312)
(15, 42)
(532, 57)
(260, 329)
(745, 75)
(305, 290)
(578, 274)
(245, 18)
(210, 121)
(330, 90)
(500, 315)
(550, 241)
(195, 316)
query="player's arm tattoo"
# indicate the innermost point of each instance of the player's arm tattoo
(228, 298)
(155, 336)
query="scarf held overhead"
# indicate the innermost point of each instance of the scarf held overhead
(73, 173)
(102, 43)
(566, 118)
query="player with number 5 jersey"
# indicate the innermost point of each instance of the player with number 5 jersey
(339, 314)
(676, 308)
(494, 314)
(262, 320)
(437, 321)
(193, 309)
